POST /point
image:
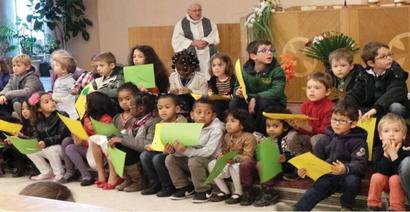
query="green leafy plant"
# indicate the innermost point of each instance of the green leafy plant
(65, 18)
(24, 33)
(320, 46)
(7, 39)
(258, 22)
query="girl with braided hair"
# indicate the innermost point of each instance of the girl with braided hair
(187, 79)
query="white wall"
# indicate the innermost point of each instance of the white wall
(112, 18)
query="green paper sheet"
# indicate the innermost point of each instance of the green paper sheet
(118, 160)
(1, 145)
(104, 128)
(268, 156)
(219, 166)
(140, 75)
(186, 133)
(25, 146)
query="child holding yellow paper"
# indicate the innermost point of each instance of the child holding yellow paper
(123, 121)
(50, 131)
(265, 82)
(153, 162)
(317, 106)
(239, 138)
(186, 79)
(133, 142)
(344, 146)
(99, 107)
(289, 142)
(195, 158)
(222, 81)
(143, 54)
(392, 130)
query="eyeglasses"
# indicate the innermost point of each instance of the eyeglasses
(264, 51)
(340, 121)
(383, 57)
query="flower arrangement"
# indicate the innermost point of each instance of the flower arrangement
(288, 64)
(258, 22)
(320, 46)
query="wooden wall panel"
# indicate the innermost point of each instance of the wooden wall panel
(160, 39)
(292, 29)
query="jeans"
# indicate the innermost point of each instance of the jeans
(261, 105)
(398, 109)
(154, 167)
(404, 172)
(327, 185)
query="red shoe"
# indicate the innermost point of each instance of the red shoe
(109, 186)
(100, 184)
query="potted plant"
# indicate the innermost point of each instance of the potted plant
(7, 40)
(65, 18)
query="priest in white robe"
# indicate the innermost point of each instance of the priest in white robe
(198, 34)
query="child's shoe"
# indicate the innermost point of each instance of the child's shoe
(183, 193)
(109, 186)
(166, 192)
(152, 189)
(218, 197)
(200, 197)
(269, 196)
(45, 176)
(247, 197)
(234, 199)
(100, 184)
(136, 177)
(290, 176)
(281, 206)
(87, 182)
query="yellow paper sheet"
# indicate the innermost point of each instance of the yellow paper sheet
(9, 127)
(80, 105)
(370, 126)
(196, 96)
(239, 77)
(156, 143)
(286, 116)
(75, 127)
(315, 167)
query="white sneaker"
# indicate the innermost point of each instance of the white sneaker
(46, 176)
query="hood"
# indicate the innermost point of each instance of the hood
(356, 132)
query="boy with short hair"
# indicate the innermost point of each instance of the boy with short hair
(111, 75)
(344, 71)
(392, 130)
(195, 159)
(344, 146)
(317, 106)
(64, 67)
(22, 84)
(265, 82)
(382, 87)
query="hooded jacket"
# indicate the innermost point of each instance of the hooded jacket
(350, 149)
(22, 86)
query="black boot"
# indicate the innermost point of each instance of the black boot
(247, 197)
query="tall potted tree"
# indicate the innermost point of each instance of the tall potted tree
(66, 18)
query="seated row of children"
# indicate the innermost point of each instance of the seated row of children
(166, 171)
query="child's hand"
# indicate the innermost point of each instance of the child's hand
(300, 124)
(76, 140)
(184, 90)
(282, 158)
(251, 106)
(338, 168)
(142, 89)
(148, 147)
(179, 147)
(302, 173)
(41, 145)
(368, 115)
(393, 149)
(169, 149)
(385, 146)
(406, 148)
(3, 100)
(113, 141)
(210, 92)
(239, 92)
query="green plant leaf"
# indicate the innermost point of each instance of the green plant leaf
(86, 35)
